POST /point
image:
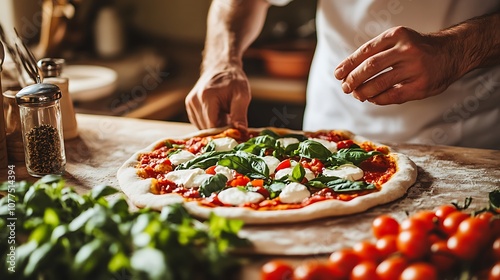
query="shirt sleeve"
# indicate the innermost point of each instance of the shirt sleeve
(279, 2)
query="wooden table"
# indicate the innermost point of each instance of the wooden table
(446, 174)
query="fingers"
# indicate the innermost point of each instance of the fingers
(380, 83)
(370, 48)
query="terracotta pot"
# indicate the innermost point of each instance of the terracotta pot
(288, 59)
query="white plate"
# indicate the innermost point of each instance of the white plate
(90, 82)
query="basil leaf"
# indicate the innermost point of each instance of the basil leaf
(275, 189)
(354, 155)
(210, 147)
(264, 140)
(244, 163)
(298, 173)
(213, 184)
(312, 149)
(494, 198)
(259, 145)
(339, 185)
(270, 133)
(202, 161)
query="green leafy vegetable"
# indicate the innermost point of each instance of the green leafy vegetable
(312, 149)
(213, 184)
(275, 189)
(202, 161)
(339, 185)
(494, 198)
(354, 155)
(60, 234)
(245, 163)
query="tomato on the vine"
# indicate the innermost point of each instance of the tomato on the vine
(452, 221)
(313, 270)
(367, 251)
(414, 244)
(391, 268)
(384, 225)
(276, 270)
(343, 261)
(387, 245)
(419, 271)
(365, 270)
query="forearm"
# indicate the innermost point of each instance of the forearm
(232, 26)
(474, 43)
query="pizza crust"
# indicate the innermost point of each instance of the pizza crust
(138, 191)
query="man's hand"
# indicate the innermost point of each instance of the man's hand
(419, 67)
(219, 98)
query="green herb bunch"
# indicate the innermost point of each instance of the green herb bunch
(60, 234)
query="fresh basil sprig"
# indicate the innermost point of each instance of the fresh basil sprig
(60, 234)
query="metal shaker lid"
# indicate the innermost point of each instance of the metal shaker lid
(51, 67)
(38, 94)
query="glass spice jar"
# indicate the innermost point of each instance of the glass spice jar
(41, 121)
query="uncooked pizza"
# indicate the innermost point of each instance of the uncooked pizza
(267, 175)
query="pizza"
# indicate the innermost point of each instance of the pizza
(267, 175)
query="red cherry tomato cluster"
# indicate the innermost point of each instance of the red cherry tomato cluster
(445, 243)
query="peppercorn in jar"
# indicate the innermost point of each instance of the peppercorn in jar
(41, 128)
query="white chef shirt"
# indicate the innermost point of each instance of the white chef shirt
(466, 114)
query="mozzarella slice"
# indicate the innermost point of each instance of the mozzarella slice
(181, 157)
(287, 141)
(331, 146)
(294, 193)
(271, 163)
(188, 178)
(226, 171)
(237, 196)
(224, 144)
(345, 171)
(287, 171)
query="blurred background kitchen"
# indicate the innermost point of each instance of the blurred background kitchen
(140, 58)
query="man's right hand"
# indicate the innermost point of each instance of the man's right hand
(220, 98)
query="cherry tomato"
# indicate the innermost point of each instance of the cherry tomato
(391, 268)
(414, 244)
(494, 272)
(441, 257)
(365, 270)
(313, 270)
(384, 225)
(452, 221)
(239, 181)
(444, 210)
(463, 246)
(343, 261)
(477, 229)
(428, 218)
(496, 248)
(367, 251)
(387, 245)
(344, 144)
(211, 170)
(263, 191)
(276, 270)
(417, 224)
(284, 164)
(419, 271)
